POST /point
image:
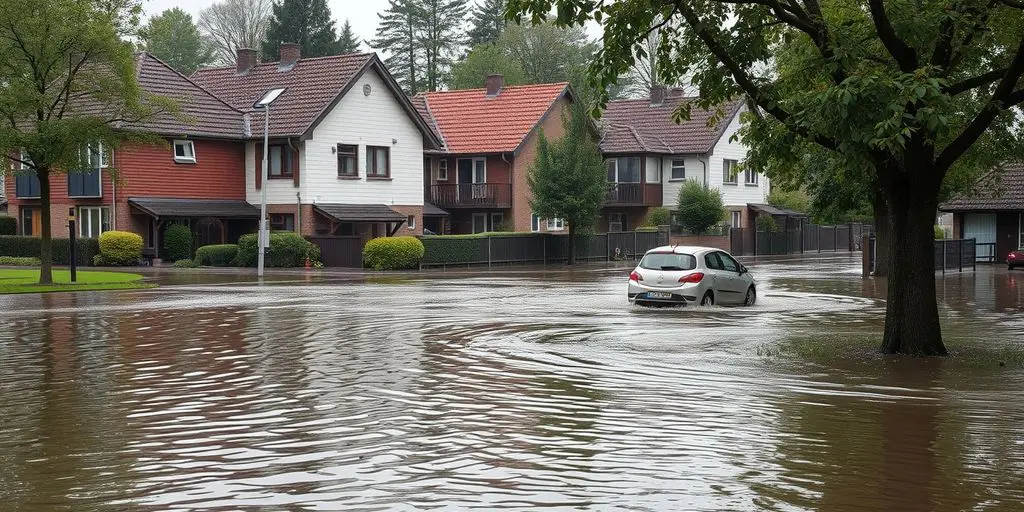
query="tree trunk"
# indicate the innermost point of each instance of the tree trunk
(571, 259)
(881, 212)
(912, 313)
(45, 245)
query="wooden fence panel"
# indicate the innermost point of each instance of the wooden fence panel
(340, 251)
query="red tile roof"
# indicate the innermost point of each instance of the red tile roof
(471, 122)
(636, 126)
(999, 190)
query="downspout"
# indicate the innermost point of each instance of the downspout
(113, 204)
(511, 194)
(705, 164)
(298, 193)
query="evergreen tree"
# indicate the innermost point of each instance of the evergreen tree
(347, 41)
(488, 22)
(173, 38)
(306, 22)
(484, 60)
(398, 35)
(440, 35)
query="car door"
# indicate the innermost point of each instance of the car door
(734, 286)
(714, 270)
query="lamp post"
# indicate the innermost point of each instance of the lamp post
(264, 236)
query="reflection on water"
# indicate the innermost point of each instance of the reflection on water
(491, 392)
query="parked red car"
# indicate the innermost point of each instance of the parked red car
(1015, 259)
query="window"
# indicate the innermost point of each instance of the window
(479, 222)
(729, 172)
(617, 222)
(94, 156)
(750, 177)
(93, 221)
(556, 224)
(668, 261)
(184, 152)
(535, 222)
(624, 169)
(378, 162)
(728, 263)
(348, 160)
(712, 261)
(737, 219)
(411, 221)
(678, 170)
(282, 222)
(497, 219)
(442, 170)
(472, 170)
(279, 162)
(654, 170)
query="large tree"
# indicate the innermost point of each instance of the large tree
(488, 20)
(484, 60)
(906, 90)
(306, 22)
(173, 38)
(441, 36)
(568, 179)
(233, 24)
(67, 82)
(398, 36)
(347, 40)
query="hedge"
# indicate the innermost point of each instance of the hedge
(393, 253)
(119, 248)
(87, 248)
(222, 255)
(185, 263)
(20, 261)
(177, 242)
(8, 225)
(287, 249)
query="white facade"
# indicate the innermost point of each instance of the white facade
(377, 119)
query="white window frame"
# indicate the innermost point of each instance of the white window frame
(749, 177)
(22, 166)
(737, 219)
(410, 221)
(673, 167)
(85, 227)
(729, 176)
(442, 169)
(190, 154)
(534, 223)
(476, 216)
(555, 224)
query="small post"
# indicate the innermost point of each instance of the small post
(960, 255)
(488, 252)
(71, 245)
(943, 256)
(818, 235)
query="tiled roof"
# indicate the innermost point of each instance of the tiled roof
(313, 84)
(636, 126)
(420, 102)
(471, 122)
(1000, 189)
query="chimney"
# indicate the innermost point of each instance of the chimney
(657, 95)
(494, 85)
(290, 54)
(245, 59)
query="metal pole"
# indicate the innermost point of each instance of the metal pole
(960, 255)
(71, 245)
(943, 256)
(263, 241)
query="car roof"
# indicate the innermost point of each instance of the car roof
(683, 249)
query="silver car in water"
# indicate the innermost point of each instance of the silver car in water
(677, 275)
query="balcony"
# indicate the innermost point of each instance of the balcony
(85, 184)
(26, 186)
(472, 195)
(634, 194)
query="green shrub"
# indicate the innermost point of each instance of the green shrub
(8, 225)
(394, 253)
(287, 249)
(939, 232)
(659, 216)
(120, 248)
(185, 263)
(20, 261)
(216, 255)
(766, 223)
(699, 208)
(87, 248)
(177, 242)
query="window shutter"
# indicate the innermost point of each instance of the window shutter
(259, 166)
(295, 166)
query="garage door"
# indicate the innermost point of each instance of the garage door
(982, 228)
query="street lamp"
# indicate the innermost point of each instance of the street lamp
(264, 104)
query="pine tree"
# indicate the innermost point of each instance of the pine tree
(347, 41)
(488, 22)
(173, 38)
(440, 34)
(306, 22)
(398, 35)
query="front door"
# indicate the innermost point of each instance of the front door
(733, 288)
(617, 222)
(497, 219)
(982, 228)
(479, 223)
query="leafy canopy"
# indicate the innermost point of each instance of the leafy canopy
(173, 38)
(484, 60)
(306, 22)
(698, 208)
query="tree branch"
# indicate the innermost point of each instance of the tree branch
(1013, 3)
(1015, 99)
(905, 56)
(975, 82)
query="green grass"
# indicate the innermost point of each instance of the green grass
(27, 281)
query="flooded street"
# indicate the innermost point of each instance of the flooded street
(508, 391)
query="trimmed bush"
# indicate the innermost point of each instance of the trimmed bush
(20, 261)
(8, 225)
(177, 242)
(659, 216)
(698, 209)
(939, 232)
(767, 224)
(287, 249)
(394, 253)
(222, 255)
(87, 248)
(119, 248)
(185, 263)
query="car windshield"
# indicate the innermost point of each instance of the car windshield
(668, 261)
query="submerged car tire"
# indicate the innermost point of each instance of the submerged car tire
(751, 297)
(708, 299)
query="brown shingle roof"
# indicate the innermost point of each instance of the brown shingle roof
(1000, 189)
(636, 126)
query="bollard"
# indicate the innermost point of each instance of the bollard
(71, 243)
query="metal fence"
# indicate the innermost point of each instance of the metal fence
(808, 238)
(339, 251)
(950, 254)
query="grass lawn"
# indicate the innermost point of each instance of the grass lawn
(27, 281)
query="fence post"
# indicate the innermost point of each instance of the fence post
(818, 231)
(544, 248)
(960, 255)
(608, 247)
(488, 253)
(835, 238)
(974, 260)
(634, 244)
(943, 256)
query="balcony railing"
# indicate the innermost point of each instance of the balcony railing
(26, 186)
(634, 194)
(472, 195)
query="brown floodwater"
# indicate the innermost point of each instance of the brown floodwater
(524, 389)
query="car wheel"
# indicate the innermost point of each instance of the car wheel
(751, 297)
(708, 299)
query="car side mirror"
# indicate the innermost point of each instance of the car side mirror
(743, 270)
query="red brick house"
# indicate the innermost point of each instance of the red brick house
(992, 213)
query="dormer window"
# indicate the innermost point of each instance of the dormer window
(184, 152)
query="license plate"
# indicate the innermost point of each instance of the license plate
(659, 295)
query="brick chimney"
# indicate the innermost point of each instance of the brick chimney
(245, 59)
(290, 54)
(657, 95)
(494, 85)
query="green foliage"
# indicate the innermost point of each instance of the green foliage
(8, 225)
(305, 22)
(421, 38)
(287, 249)
(177, 242)
(186, 263)
(484, 60)
(222, 255)
(659, 216)
(698, 208)
(393, 253)
(767, 224)
(347, 40)
(488, 20)
(29, 246)
(795, 200)
(939, 232)
(19, 261)
(173, 38)
(120, 248)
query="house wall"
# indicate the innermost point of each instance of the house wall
(739, 194)
(694, 171)
(521, 195)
